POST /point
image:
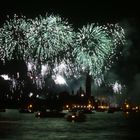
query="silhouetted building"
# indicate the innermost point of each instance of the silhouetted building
(88, 85)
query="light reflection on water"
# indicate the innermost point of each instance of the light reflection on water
(99, 126)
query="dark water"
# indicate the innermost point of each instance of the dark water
(99, 126)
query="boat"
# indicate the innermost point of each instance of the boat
(77, 116)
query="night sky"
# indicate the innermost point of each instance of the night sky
(80, 13)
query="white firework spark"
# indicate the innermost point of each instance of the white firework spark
(58, 79)
(117, 88)
(13, 39)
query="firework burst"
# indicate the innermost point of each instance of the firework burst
(49, 38)
(92, 47)
(49, 45)
(96, 45)
(13, 39)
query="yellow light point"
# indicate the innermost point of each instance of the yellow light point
(89, 106)
(127, 105)
(102, 107)
(67, 106)
(30, 105)
(137, 107)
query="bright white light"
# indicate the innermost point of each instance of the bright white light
(60, 68)
(60, 80)
(37, 96)
(5, 77)
(43, 70)
(117, 87)
(82, 95)
(31, 94)
(29, 65)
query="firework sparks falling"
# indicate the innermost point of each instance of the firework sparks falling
(93, 45)
(46, 44)
(58, 79)
(96, 45)
(65, 68)
(44, 69)
(49, 38)
(117, 33)
(98, 81)
(117, 87)
(13, 39)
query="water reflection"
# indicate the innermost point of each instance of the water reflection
(99, 126)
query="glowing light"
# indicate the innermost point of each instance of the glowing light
(82, 95)
(44, 70)
(29, 66)
(137, 107)
(73, 116)
(117, 87)
(60, 80)
(6, 77)
(49, 45)
(127, 105)
(37, 96)
(31, 94)
(67, 106)
(30, 105)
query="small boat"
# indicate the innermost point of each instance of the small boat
(77, 116)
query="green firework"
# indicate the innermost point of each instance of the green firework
(49, 38)
(95, 44)
(13, 39)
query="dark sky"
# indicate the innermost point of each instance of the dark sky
(78, 12)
